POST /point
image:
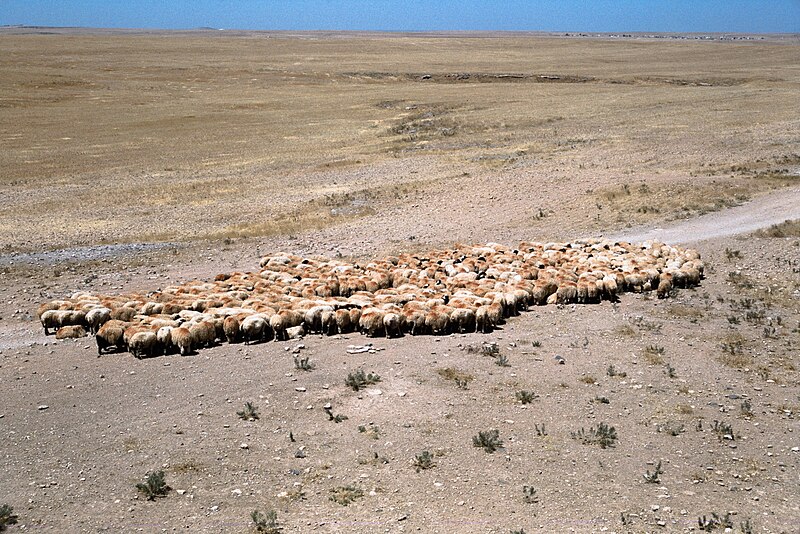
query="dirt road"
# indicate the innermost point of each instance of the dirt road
(759, 213)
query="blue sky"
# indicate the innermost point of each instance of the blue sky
(409, 15)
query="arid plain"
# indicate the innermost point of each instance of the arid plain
(132, 160)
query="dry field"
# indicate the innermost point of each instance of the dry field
(134, 160)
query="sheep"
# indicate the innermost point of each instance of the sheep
(566, 293)
(164, 338)
(371, 322)
(437, 321)
(111, 334)
(96, 317)
(484, 322)
(183, 340)
(459, 290)
(123, 313)
(68, 332)
(53, 305)
(313, 318)
(463, 320)
(330, 323)
(282, 321)
(203, 333)
(664, 286)
(414, 320)
(252, 328)
(55, 319)
(231, 327)
(392, 325)
(142, 343)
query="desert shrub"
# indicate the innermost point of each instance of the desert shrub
(612, 372)
(526, 397)
(302, 364)
(489, 440)
(7, 516)
(249, 412)
(603, 435)
(370, 430)
(424, 460)
(529, 495)
(338, 418)
(655, 476)
(788, 228)
(654, 354)
(345, 495)
(723, 430)
(714, 522)
(154, 486)
(266, 523)
(460, 378)
(359, 379)
(671, 371)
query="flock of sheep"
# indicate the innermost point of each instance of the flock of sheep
(463, 289)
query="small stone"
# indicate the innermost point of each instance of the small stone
(42, 407)
(214, 508)
(180, 492)
(244, 446)
(300, 389)
(236, 492)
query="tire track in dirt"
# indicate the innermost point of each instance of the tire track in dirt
(760, 213)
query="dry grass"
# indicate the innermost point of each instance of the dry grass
(654, 354)
(788, 228)
(457, 376)
(186, 136)
(733, 351)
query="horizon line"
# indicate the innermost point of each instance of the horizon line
(210, 28)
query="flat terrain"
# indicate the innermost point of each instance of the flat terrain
(131, 160)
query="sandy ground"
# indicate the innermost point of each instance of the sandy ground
(77, 432)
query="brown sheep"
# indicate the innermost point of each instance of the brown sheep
(203, 333)
(71, 332)
(182, 339)
(231, 327)
(664, 286)
(437, 321)
(111, 334)
(371, 322)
